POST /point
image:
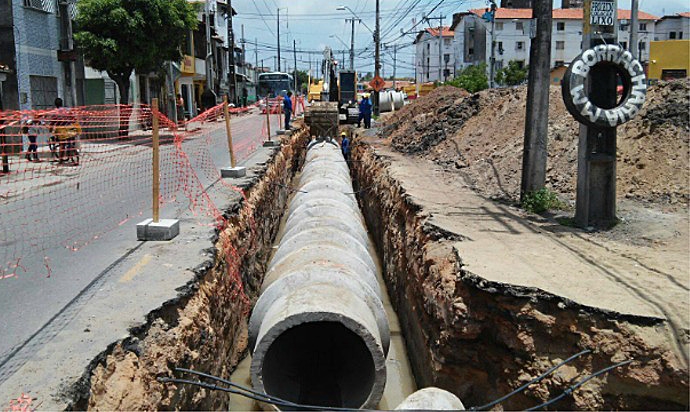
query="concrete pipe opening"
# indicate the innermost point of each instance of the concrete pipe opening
(319, 363)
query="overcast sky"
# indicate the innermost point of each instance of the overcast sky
(312, 23)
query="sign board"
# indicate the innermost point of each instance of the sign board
(187, 65)
(602, 13)
(377, 83)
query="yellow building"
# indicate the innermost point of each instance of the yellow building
(668, 59)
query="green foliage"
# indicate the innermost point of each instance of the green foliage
(367, 77)
(511, 75)
(119, 36)
(539, 201)
(472, 79)
(302, 79)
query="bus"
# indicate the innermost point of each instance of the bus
(275, 84)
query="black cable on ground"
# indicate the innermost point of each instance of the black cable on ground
(246, 392)
(535, 380)
(571, 389)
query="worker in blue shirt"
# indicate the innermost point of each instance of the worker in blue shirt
(345, 146)
(287, 108)
(365, 111)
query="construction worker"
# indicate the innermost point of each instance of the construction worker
(345, 146)
(364, 111)
(287, 109)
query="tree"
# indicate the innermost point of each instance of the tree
(302, 79)
(120, 36)
(472, 79)
(511, 75)
(367, 77)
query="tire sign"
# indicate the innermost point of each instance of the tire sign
(574, 86)
(601, 13)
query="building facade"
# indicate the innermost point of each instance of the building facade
(427, 55)
(669, 59)
(30, 36)
(472, 36)
(676, 27)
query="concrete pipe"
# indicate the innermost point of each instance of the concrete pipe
(318, 332)
(398, 100)
(385, 101)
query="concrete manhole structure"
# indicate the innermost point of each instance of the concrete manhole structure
(319, 333)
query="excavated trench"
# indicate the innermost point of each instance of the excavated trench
(481, 339)
(448, 327)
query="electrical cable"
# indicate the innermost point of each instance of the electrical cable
(577, 385)
(535, 380)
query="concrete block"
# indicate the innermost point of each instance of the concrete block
(431, 399)
(271, 143)
(164, 229)
(238, 171)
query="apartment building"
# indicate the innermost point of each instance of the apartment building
(427, 55)
(512, 26)
(675, 27)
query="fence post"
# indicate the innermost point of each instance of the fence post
(228, 131)
(232, 171)
(268, 118)
(156, 161)
(156, 228)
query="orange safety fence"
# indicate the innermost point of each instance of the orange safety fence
(70, 176)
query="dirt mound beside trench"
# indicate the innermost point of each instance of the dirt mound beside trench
(482, 135)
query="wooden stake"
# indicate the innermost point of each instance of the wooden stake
(268, 118)
(156, 160)
(228, 131)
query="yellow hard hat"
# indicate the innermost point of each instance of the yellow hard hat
(343, 134)
(365, 95)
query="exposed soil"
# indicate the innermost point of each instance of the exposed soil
(490, 297)
(481, 136)
(205, 328)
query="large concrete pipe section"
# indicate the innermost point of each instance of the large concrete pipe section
(319, 333)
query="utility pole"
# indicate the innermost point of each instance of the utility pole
(493, 43)
(209, 54)
(68, 45)
(395, 62)
(633, 27)
(244, 69)
(377, 65)
(256, 60)
(440, 43)
(278, 35)
(534, 154)
(352, 43)
(294, 55)
(231, 45)
(595, 205)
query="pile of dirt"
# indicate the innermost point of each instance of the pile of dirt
(433, 118)
(483, 141)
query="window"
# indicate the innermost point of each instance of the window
(560, 26)
(500, 47)
(560, 45)
(518, 26)
(672, 35)
(43, 5)
(470, 51)
(680, 35)
(519, 45)
(624, 44)
(446, 73)
(499, 26)
(643, 26)
(428, 46)
(446, 42)
(446, 58)
(559, 63)
(520, 64)
(623, 27)
(642, 46)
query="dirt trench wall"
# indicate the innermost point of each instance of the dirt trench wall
(481, 339)
(206, 327)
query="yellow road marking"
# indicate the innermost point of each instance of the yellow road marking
(134, 270)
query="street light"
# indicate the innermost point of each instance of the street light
(343, 8)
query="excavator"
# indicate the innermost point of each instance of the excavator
(324, 116)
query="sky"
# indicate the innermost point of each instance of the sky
(314, 24)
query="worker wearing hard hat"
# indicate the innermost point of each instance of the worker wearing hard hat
(365, 111)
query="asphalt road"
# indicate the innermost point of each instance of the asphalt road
(102, 206)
